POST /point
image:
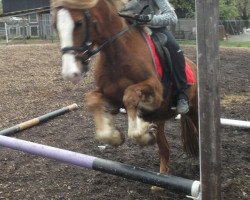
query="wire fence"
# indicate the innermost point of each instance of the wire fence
(186, 28)
(24, 30)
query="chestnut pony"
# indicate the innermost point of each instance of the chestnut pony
(124, 76)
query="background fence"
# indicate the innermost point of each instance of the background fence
(38, 28)
(26, 28)
(186, 28)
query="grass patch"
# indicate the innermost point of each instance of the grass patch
(187, 42)
(226, 43)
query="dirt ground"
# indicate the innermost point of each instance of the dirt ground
(31, 85)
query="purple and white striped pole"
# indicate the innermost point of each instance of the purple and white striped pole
(189, 187)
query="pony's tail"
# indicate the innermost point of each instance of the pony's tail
(189, 133)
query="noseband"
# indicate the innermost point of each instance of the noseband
(85, 51)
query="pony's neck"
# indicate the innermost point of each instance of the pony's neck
(110, 24)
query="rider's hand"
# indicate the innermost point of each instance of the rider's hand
(144, 18)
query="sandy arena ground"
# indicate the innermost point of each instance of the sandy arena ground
(31, 85)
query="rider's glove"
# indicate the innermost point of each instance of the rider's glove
(144, 18)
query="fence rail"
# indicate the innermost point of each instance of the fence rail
(22, 30)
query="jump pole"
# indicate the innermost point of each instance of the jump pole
(230, 122)
(233, 122)
(38, 120)
(186, 186)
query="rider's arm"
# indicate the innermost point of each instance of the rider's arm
(166, 17)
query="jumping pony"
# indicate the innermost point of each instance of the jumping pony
(124, 75)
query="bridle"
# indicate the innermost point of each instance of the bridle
(86, 51)
(85, 48)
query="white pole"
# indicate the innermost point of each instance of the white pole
(230, 122)
(6, 32)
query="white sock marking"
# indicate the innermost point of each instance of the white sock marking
(105, 130)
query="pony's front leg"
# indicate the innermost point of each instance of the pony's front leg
(140, 131)
(105, 130)
(145, 95)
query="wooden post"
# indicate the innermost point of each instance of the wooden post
(209, 106)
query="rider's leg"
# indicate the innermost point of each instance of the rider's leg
(178, 62)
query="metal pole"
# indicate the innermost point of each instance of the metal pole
(6, 32)
(209, 105)
(230, 122)
(38, 120)
(189, 187)
(233, 122)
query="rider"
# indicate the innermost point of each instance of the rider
(163, 16)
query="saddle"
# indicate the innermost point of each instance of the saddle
(160, 40)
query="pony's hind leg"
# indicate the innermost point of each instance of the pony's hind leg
(145, 95)
(163, 151)
(105, 130)
(163, 147)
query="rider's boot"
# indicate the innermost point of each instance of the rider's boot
(182, 106)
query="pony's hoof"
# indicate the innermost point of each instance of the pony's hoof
(114, 139)
(156, 189)
(146, 139)
(146, 136)
(117, 140)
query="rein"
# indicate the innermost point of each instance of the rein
(85, 49)
(112, 39)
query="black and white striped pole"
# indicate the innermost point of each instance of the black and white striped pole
(38, 120)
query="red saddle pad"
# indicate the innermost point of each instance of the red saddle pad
(189, 73)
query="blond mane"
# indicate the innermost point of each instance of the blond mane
(118, 4)
(84, 4)
(73, 4)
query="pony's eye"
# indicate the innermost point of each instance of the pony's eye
(78, 23)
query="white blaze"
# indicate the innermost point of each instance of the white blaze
(65, 27)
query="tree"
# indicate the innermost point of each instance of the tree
(1, 7)
(244, 10)
(228, 9)
(184, 9)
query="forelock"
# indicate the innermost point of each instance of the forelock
(73, 4)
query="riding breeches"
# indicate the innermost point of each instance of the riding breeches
(177, 58)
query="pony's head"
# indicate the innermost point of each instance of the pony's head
(78, 25)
